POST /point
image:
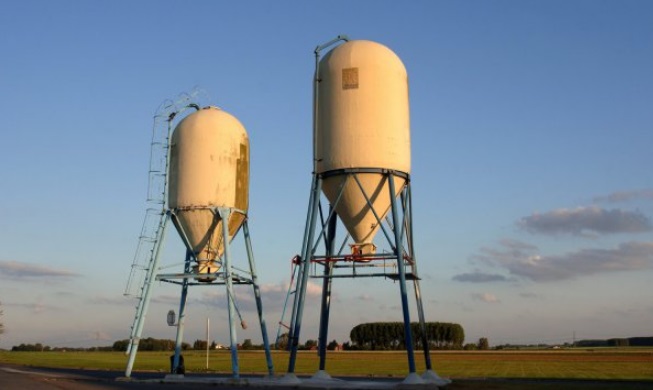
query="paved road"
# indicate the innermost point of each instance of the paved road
(27, 378)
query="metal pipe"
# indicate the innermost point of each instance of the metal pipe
(316, 83)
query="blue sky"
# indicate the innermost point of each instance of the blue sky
(531, 127)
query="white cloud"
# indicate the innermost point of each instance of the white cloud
(479, 277)
(366, 297)
(485, 297)
(586, 221)
(630, 256)
(625, 196)
(101, 300)
(34, 308)
(27, 271)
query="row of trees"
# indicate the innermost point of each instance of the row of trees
(150, 344)
(282, 344)
(390, 335)
(617, 342)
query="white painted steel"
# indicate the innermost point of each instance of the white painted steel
(209, 168)
(363, 122)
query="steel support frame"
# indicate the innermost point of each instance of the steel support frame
(222, 213)
(144, 302)
(399, 231)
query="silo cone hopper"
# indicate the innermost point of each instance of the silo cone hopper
(361, 154)
(205, 173)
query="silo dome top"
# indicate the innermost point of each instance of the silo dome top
(358, 52)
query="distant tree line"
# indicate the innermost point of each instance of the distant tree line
(390, 336)
(151, 344)
(38, 347)
(617, 342)
(483, 344)
(31, 347)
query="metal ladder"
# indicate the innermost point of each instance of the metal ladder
(155, 215)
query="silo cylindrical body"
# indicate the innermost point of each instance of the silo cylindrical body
(362, 122)
(209, 168)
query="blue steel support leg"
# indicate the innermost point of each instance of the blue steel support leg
(399, 251)
(182, 315)
(326, 290)
(300, 294)
(148, 283)
(324, 314)
(422, 323)
(309, 223)
(257, 296)
(418, 294)
(224, 216)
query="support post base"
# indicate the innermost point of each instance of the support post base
(431, 376)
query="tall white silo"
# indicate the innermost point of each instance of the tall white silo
(361, 151)
(363, 122)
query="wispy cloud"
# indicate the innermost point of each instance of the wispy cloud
(625, 196)
(516, 244)
(33, 307)
(26, 271)
(485, 297)
(273, 296)
(121, 300)
(529, 295)
(479, 277)
(100, 336)
(630, 256)
(586, 221)
(366, 297)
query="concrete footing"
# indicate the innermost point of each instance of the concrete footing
(321, 375)
(320, 380)
(431, 376)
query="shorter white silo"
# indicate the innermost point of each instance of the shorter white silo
(209, 168)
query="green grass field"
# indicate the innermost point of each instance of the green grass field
(599, 364)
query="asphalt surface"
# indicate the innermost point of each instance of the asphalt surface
(13, 377)
(28, 378)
